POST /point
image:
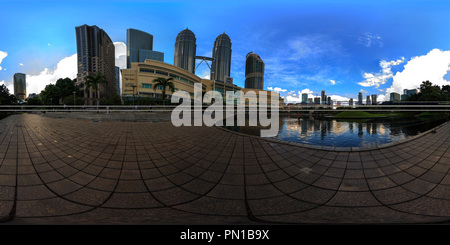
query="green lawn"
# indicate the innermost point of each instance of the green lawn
(358, 114)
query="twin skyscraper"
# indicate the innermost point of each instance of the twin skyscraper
(139, 48)
(185, 55)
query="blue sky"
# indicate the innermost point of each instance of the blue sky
(342, 47)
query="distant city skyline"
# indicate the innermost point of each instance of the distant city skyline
(342, 47)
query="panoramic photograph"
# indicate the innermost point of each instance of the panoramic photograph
(224, 121)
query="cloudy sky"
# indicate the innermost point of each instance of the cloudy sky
(342, 47)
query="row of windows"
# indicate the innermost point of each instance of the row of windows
(165, 74)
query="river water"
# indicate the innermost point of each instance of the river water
(346, 133)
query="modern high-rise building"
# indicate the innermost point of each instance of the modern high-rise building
(185, 50)
(360, 98)
(20, 86)
(323, 97)
(221, 53)
(304, 98)
(394, 97)
(96, 54)
(140, 47)
(368, 100)
(254, 71)
(117, 74)
(374, 99)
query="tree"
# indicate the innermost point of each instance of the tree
(164, 82)
(430, 92)
(66, 87)
(34, 101)
(50, 95)
(94, 81)
(5, 97)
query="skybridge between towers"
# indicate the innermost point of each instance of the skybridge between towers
(203, 59)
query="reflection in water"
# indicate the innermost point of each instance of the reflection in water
(331, 132)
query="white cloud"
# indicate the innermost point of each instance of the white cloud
(121, 54)
(67, 67)
(368, 39)
(307, 91)
(336, 98)
(381, 77)
(276, 89)
(333, 82)
(432, 67)
(21, 64)
(121, 58)
(279, 90)
(2, 56)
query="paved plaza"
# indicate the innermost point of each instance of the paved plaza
(77, 171)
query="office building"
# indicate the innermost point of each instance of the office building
(407, 93)
(394, 97)
(305, 98)
(137, 82)
(20, 86)
(117, 74)
(140, 47)
(317, 100)
(374, 99)
(360, 98)
(185, 50)
(323, 97)
(254, 71)
(350, 101)
(221, 53)
(96, 54)
(368, 100)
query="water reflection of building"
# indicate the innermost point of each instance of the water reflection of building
(307, 128)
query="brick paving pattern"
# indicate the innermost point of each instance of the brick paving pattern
(73, 171)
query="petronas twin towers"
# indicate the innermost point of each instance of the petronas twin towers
(185, 54)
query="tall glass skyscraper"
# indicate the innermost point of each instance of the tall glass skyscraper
(254, 71)
(185, 50)
(20, 86)
(221, 53)
(96, 54)
(140, 47)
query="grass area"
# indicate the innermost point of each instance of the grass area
(433, 114)
(358, 114)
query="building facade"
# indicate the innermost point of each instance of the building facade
(304, 98)
(360, 98)
(254, 71)
(117, 74)
(323, 97)
(221, 53)
(96, 54)
(20, 86)
(140, 47)
(394, 97)
(185, 50)
(374, 99)
(137, 82)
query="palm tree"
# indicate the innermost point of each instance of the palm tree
(94, 81)
(164, 82)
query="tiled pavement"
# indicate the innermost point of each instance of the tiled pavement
(72, 171)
